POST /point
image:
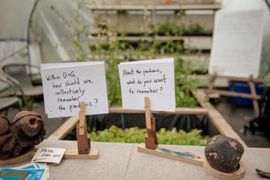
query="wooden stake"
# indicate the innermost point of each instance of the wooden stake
(253, 94)
(151, 139)
(83, 141)
(251, 81)
(196, 160)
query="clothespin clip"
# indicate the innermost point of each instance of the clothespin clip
(151, 139)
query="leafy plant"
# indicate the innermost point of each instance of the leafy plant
(136, 135)
(107, 45)
(171, 29)
(194, 28)
(184, 84)
(114, 51)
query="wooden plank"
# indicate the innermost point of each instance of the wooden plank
(179, 110)
(73, 154)
(158, 152)
(200, 161)
(215, 6)
(190, 42)
(197, 42)
(140, 23)
(251, 95)
(216, 118)
(150, 2)
(234, 94)
(70, 123)
(204, 81)
(256, 80)
(196, 58)
(254, 100)
(151, 38)
(64, 129)
(238, 174)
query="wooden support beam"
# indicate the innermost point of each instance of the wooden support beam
(70, 123)
(254, 100)
(73, 154)
(174, 155)
(179, 110)
(256, 80)
(64, 129)
(107, 7)
(251, 82)
(234, 94)
(190, 42)
(216, 118)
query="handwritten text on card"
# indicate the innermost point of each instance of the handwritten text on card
(65, 86)
(150, 78)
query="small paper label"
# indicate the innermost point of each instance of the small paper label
(48, 155)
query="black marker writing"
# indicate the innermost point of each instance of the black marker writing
(73, 82)
(126, 72)
(70, 74)
(52, 77)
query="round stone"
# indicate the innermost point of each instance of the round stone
(223, 153)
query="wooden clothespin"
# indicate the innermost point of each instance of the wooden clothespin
(151, 139)
(84, 144)
(84, 150)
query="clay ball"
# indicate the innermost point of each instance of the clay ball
(223, 153)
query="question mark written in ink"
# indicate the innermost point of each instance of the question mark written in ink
(96, 100)
(160, 89)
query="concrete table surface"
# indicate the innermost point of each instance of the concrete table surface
(122, 161)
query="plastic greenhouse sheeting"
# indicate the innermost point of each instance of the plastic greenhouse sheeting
(14, 19)
(55, 23)
(14, 16)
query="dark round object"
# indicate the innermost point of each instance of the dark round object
(28, 123)
(4, 138)
(4, 125)
(223, 153)
(16, 151)
(9, 144)
(4, 156)
(21, 134)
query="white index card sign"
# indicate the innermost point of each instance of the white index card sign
(48, 155)
(237, 43)
(149, 78)
(66, 84)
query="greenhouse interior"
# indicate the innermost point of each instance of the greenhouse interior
(124, 89)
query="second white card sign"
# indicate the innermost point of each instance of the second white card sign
(66, 84)
(149, 78)
(48, 155)
(237, 43)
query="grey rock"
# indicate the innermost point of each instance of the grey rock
(223, 153)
